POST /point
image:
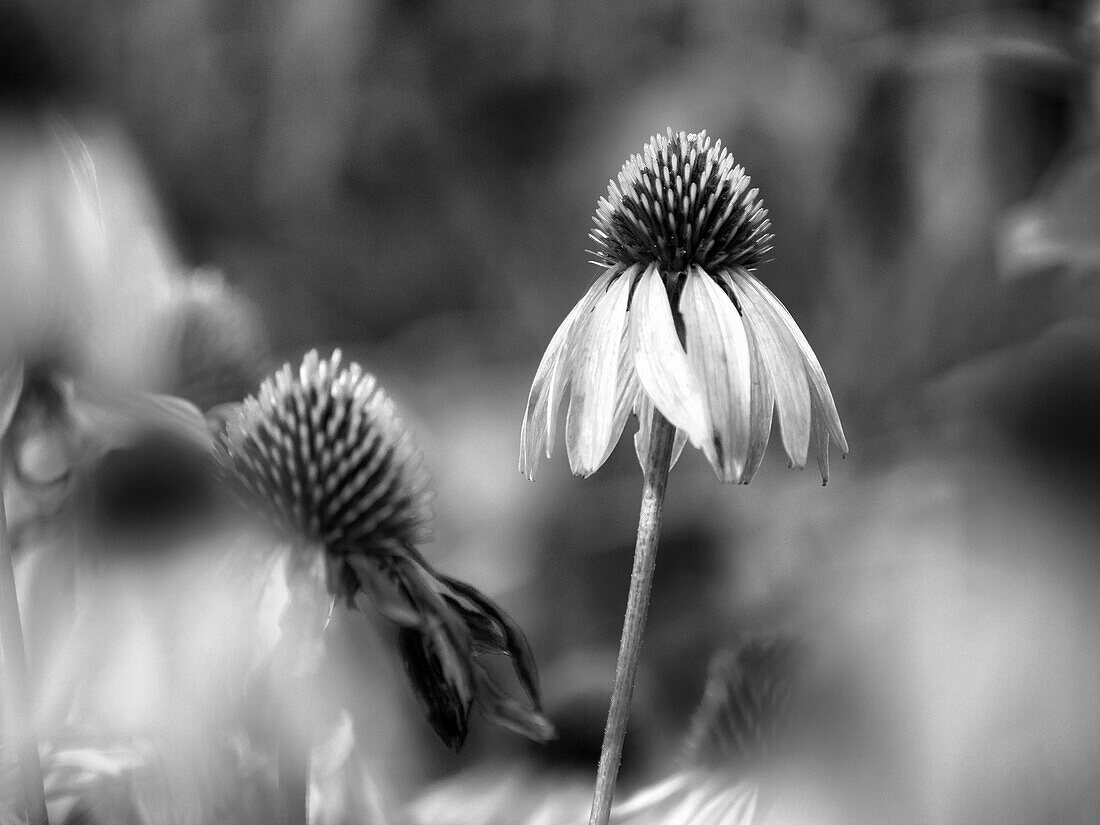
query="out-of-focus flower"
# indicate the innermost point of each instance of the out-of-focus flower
(85, 262)
(323, 454)
(677, 323)
(692, 798)
(744, 714)
(502, 795)
(97, 780)
(214, 349)
(87, 272)
(510, 796)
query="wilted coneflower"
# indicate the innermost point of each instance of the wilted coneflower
(323, 454)
(678, 331)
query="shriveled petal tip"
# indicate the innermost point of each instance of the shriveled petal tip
(784, 361)
(494, 631)
(718, 351)
(600, 376)
(662, 365)
(819, 387)
(503, 710)
(442, 679)
(821, 446)
(540, 419)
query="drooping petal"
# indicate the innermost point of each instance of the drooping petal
(660, 360)
(821, 444)
(785, 365)
(819, 386)
(503, 710)
(384, 590)
(441, 678)
(718, 352)
(643, 408)
(493, 631)
(627, 393)
(598, 379)
(437, 654)
(762, 405)
(540, 420)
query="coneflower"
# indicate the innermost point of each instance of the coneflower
(322, 453)
(677, 331)
(677, 324)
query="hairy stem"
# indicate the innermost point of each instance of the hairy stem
(16, 678)
(637, 606)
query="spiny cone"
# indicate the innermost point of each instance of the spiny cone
(326, 455)
(683, 201)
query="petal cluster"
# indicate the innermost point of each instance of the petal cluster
(677, 324)
(322, 453)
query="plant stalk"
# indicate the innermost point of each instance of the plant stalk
(17, 680)
(658, 458)
(303, 623)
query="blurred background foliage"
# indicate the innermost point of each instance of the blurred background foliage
(413, 181)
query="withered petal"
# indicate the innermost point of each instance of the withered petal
(502, 709)
(384, 591)
(500, 634)
(442, 679)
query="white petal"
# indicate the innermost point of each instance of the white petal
(540, 420)
(600, 378)
(662, 364)
(819, 386)
(762, 406)
(718, 352)
(785, 366)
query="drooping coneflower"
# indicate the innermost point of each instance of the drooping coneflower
(322, 452)
(678, 324)
(678, 331)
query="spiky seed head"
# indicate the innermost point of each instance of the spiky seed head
(324, 454)
(682, 201)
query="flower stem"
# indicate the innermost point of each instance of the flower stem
(16, 677)
(304, 620)
(637, 606)
(294, 767)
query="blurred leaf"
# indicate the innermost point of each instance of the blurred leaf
(1060, 227)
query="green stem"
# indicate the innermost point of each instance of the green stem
(658, 459)
(16, 677)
